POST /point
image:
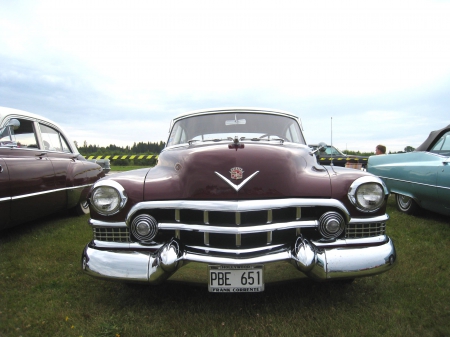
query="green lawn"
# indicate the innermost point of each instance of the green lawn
(43, 292)
(115, 168)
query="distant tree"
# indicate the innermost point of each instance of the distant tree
(409, 149)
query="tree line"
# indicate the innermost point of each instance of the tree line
(137, 148)
(141, 148)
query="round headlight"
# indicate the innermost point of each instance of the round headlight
(367, 194)
(370, 196)
(108, 197)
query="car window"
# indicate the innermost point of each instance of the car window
(53, 140)
(442, 146)
(332, 151)
(231, 125)
(24, 136)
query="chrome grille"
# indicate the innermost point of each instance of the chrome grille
(243, 229)
(114, 234)
(365, 230)
(238, 224)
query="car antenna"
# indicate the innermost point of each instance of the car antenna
(331, 163)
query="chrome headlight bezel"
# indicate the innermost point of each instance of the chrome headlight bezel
(114, 190)
(357, 188)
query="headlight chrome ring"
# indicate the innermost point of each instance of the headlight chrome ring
(368, 193)
(108, 197)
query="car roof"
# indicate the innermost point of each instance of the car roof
(431, 138)
(236, 110)
(7, 113)
(11, 113)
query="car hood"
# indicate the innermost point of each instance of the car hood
(268, 171)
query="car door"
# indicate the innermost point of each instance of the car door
(5, 193)
(32, 178)
(443, 183)
(442, 147)
(69, 171)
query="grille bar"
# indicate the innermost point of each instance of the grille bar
(238, 230)
(114, 234)
(365, 230)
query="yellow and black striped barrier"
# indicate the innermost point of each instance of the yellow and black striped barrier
(134, 156)
(343, 158)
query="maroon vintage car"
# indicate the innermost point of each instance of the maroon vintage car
(238, 190)
(41, 171)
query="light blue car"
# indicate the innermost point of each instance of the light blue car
(419, 179)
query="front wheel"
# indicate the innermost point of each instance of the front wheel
(406, 204)
(81, 208)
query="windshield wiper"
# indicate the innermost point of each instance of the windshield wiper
(206, 140)
(264, 139)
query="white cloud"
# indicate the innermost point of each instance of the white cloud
(359, 62)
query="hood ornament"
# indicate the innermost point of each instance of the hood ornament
(236, 173)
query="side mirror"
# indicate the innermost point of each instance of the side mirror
(14, 124)
(321, 147)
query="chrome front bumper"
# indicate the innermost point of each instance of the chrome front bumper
(315, 260)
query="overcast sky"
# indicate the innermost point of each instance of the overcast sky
(117, 72)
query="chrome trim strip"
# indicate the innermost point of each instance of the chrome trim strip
(281, 256)
(352, 242)
(237, 206)
(99, 224)
(236, 187)
(49, 191)
(124, 245)
(237, 251)
(381, 218)
(5, 199)
(415, 183)
(338, 243)
(238, 230)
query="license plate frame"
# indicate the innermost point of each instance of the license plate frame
(232, 279)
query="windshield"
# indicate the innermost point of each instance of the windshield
(245, 126)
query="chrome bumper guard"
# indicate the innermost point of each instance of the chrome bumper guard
(316, 261)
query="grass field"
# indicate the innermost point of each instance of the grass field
(115, 168)
(43, 292)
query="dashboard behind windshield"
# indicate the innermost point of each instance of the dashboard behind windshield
(245, 126)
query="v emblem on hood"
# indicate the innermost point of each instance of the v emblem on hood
(236, 187)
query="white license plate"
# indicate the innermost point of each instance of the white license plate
(235, 279)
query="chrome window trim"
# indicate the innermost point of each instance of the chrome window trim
(36, 119)
(237, 206)
(49, 191)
